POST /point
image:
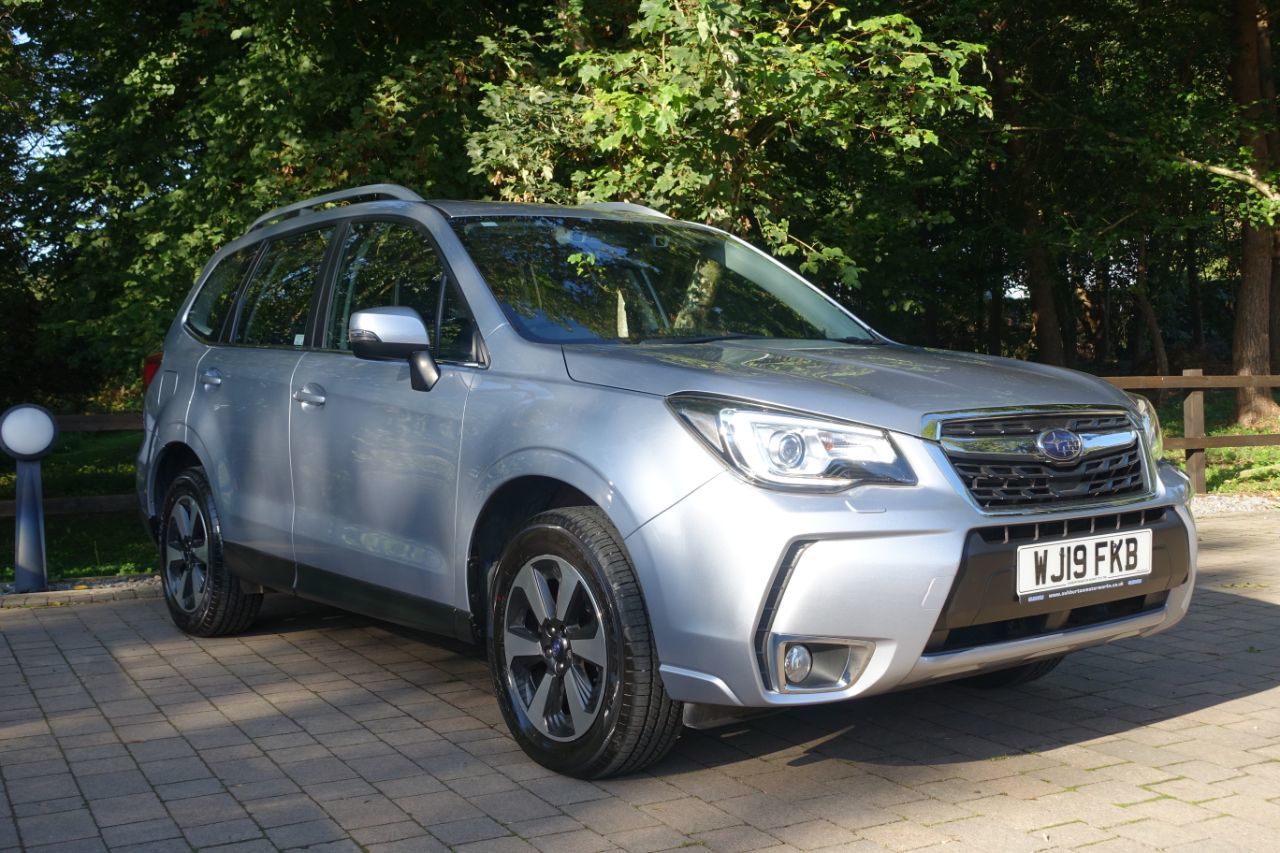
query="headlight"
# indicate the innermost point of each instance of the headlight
(784, 450)
(1150, 423)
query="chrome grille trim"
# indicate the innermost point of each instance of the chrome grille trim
(1020, 446)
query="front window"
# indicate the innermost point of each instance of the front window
(575, 280)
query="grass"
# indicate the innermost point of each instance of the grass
(88, 544)
(1229, 470)
(82, 463)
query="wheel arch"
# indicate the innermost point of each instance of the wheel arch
(504, 512)
(174, 458)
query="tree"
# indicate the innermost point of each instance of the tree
(175, 130)
(19, 135)
(981, 175)
(1251, 351)
(742, 115)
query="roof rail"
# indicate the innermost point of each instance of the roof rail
(371, 192)
(626, 207)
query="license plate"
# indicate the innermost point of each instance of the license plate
(1073, 566)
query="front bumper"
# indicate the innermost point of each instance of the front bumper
(733, 569)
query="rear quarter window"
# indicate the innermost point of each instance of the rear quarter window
(213, 303)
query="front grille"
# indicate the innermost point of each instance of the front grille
(1000, 465)
(999, 485)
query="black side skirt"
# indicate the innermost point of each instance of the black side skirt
(361, 597)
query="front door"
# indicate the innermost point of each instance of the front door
(375, 463)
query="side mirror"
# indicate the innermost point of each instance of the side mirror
(395, 333)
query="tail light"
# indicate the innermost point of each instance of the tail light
(150, 365)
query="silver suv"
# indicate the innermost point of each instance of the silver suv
(661, 477)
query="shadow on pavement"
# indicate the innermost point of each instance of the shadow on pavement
(1224, 649)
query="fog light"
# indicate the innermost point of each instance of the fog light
(797, 663)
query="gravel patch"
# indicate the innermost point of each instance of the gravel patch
(112, 587)
(1203, 506)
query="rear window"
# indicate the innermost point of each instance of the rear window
(213, 302)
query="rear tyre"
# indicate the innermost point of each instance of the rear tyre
(1014, 675)
(204, 598)
(574, 664)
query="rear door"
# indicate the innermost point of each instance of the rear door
(168, 400)
(375, 463)
(241, 406)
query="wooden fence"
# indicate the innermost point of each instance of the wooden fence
(1194, 441)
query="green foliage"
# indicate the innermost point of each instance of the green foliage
(890, 151)
(704, 109)
(168, 134)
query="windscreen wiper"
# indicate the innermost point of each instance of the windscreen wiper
(694, 339)
(866, 342)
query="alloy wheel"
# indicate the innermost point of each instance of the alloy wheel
(554, 647)
(186, 550)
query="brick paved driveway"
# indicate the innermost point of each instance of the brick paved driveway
(333, 732)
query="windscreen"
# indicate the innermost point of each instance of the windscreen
(575, 280)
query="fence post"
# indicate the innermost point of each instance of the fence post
(1193, 427)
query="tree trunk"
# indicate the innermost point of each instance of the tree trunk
(1088, 299)
(979, 315)
(1107, 348)
(1273, 327)
(1251, 350)
(1267, 87)
(1039, 264)
(1068, 310)
(1195, 296)
(1142, 303)
(995, 317)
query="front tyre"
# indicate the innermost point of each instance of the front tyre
(574, 664)
(204, 598)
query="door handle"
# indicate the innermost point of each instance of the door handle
(310, 394)
(211, 376)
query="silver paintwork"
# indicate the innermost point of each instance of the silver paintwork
(386, 485)
(625, 207)
(389, 325)
(370, 191)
